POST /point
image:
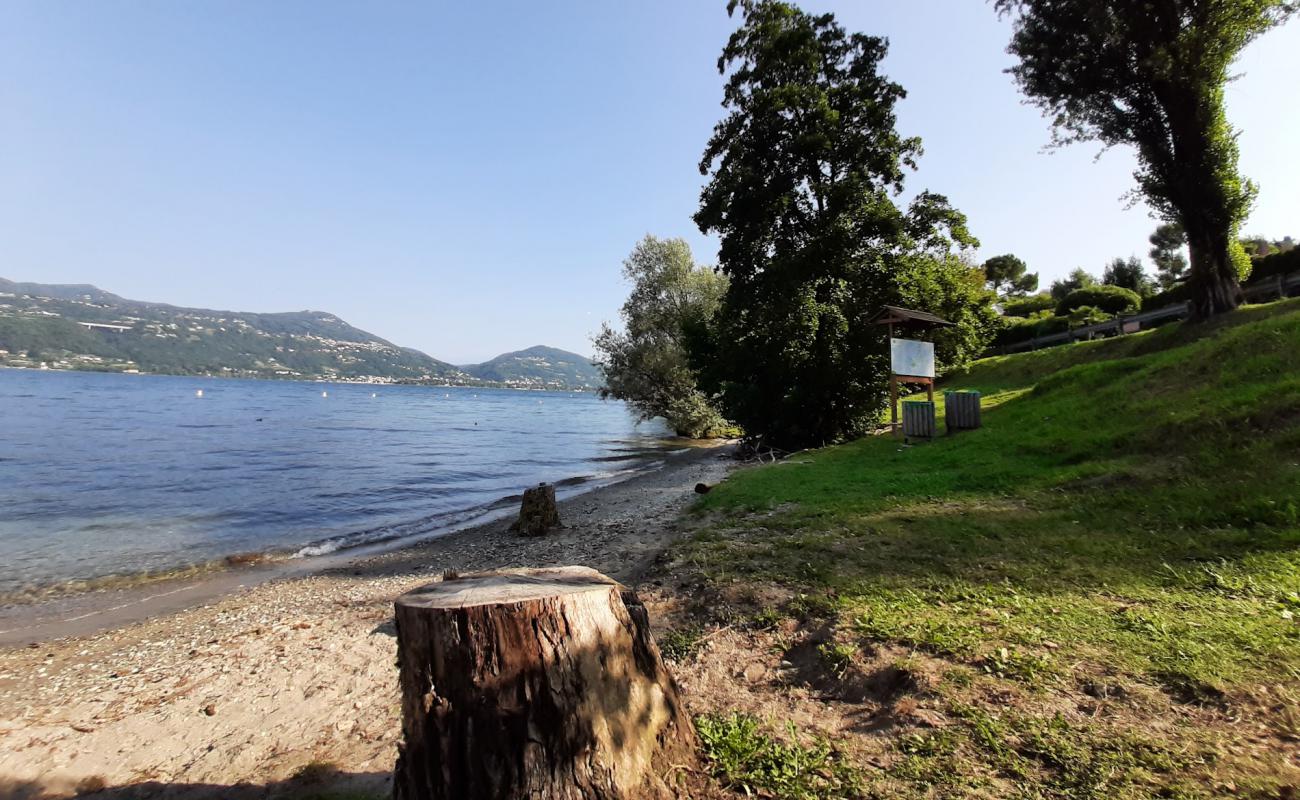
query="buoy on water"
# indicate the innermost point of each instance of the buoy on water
(324, 394)
(374, 394)
(198, 392)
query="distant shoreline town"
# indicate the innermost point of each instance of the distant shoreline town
(83, 328)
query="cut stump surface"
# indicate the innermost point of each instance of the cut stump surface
(541, 684)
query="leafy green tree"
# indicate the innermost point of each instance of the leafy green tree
(1128, 273)
(1151, 73)
(1079, 278)
(646, 363)
(802, 176)
(1008, 276)
(1167, 254)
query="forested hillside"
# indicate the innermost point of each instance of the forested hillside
(540, 367)
(79, 326)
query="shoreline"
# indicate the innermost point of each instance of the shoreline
(105, 604)
(247, 691)
(323, 379)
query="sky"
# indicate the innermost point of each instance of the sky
(466, 178)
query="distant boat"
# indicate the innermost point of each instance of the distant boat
(324, 394)
(198, 392)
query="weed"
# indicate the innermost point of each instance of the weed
(750, 760)
(837, 657)
(681, 644)
(805, 607)
(766, 619)
(1025, 667)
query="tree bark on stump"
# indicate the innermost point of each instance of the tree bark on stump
(537, 511)
(543, 684)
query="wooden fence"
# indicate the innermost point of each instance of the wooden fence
(1270, 288)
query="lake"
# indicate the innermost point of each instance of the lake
(110, 474)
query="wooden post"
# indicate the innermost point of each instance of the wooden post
(893, 403)
(542, 684)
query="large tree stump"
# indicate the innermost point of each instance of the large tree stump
(535, 684)
(537, 511)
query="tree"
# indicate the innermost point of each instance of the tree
(1151, 73)
(1080, 278)
(1167, 254)
(1128, 273)
(1008, 276)
(802, 173)
(646, 363)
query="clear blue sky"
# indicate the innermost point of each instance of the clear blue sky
(466, 178)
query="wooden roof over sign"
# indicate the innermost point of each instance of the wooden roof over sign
(894, 315)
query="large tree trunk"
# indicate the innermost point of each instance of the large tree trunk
(535, 684)
(1212, 279)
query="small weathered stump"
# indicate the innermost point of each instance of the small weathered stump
(538, 513)
(535, 684)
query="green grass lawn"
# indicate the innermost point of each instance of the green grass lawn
(1129, 511)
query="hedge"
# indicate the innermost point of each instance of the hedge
(1113, 300)
(1028, 306)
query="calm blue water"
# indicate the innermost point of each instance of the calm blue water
(104, 474)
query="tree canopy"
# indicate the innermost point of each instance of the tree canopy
(1167, 244)
(802, 174)
(1128, 274)
(646, 363)
(1079, 278)
(1008, 276)
(1151, 73)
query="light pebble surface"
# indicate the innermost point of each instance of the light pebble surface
(253, 686)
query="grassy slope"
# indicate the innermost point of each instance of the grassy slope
(1125, 523)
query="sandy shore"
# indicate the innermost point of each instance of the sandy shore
(272, 688)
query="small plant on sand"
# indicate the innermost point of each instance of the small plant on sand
(805, 607)
(837, 657)
(766, 620)
(681, 644)
(749, 760)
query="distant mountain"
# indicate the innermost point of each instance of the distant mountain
(80, 326)
(540, 367)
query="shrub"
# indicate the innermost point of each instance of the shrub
(1087, 315)
(1178, 294)
(1111, 299)
(1028, 306)
(1276, 264)
(1018, 330)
